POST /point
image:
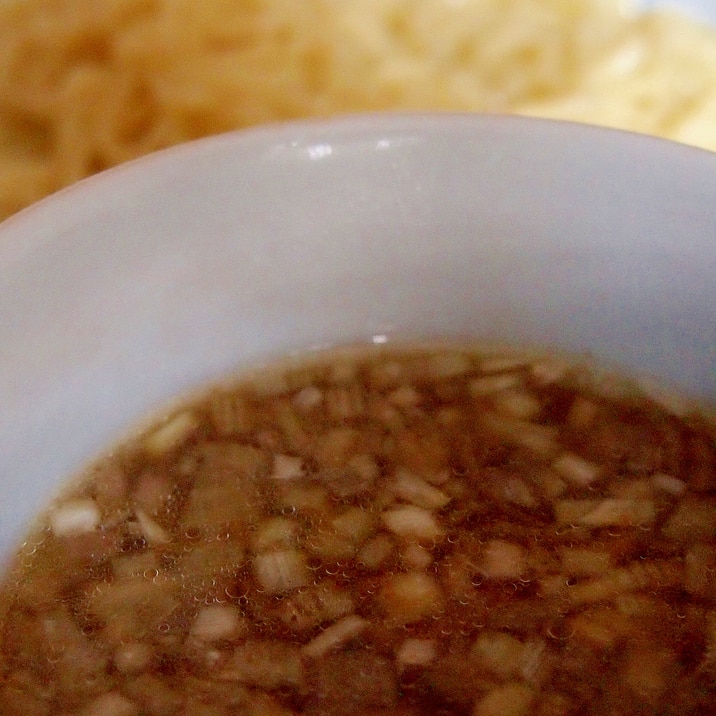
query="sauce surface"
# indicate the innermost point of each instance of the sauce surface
(391, 531)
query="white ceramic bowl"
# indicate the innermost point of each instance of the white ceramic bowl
(139, 284)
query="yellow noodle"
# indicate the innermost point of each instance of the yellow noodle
(85, 85)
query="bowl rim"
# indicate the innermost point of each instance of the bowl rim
(341, 128)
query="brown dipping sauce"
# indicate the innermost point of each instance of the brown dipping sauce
(400, 531)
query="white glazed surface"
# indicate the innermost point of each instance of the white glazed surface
(135, 286)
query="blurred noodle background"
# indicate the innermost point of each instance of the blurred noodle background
(87, 84)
